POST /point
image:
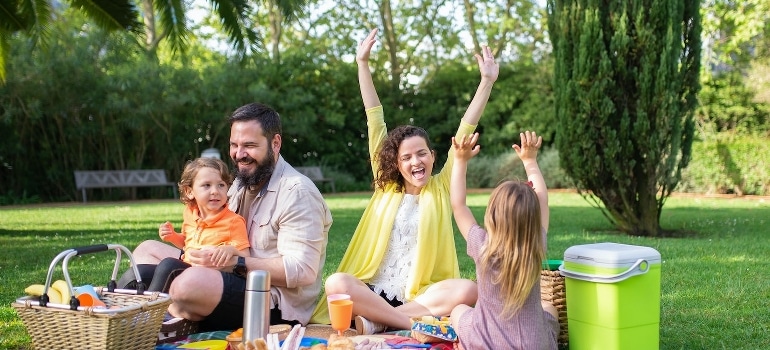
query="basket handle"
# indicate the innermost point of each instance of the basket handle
(640, 267)
(69, 253)
(91, 249)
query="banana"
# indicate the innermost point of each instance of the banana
(37, 290)
(54, 296)
(63, 289)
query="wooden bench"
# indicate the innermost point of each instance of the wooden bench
(315, 174)
(122, 178)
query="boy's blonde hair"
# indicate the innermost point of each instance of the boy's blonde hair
(514, 244)
(191, 171)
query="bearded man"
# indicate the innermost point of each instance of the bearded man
(287, 221)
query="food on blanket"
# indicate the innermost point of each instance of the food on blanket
(257, 344)
(429, 329)
(402, 342)
(64, 290)
(340, 342)
(234, 339)
(294, 338)
(210, 344)
(235, 335)
(282, 330)
(370, 344)
(36, 290)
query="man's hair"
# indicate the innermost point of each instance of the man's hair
(265, 115)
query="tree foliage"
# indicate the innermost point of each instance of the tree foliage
(735, 33)
(626, 78)
(34, 17)
(97, 100)
(727, 105)
(736, 92)
(149, 21)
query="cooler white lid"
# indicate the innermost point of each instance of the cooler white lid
(611, 253)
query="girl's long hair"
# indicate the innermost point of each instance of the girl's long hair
(514, 246)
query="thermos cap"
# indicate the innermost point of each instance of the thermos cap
(258, 280)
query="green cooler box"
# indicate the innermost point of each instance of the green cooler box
(613, 296)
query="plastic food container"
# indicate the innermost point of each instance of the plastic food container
(613, 296)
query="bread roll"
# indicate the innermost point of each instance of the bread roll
(340, 342)
(257, 344)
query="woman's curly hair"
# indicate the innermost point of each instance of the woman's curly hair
(387, 157)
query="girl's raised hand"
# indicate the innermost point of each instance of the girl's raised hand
(365, 47)
(466, 148)
(530, 143)
(488, 68)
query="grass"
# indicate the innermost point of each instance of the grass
(715, 285)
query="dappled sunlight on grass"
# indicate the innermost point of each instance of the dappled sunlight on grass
(715, 292)
(353, 200)
(77, 217)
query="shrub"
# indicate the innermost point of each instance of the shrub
(488, 171)
(721, 164)
(727, 164)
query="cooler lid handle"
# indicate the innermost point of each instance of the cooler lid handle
(640, 267)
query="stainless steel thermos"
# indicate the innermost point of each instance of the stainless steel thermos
(257, 304)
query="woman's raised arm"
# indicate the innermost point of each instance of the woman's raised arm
(489, 70)
(368, 92)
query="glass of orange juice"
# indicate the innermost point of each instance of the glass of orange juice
(340, 312)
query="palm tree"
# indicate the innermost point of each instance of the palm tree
(159, 20)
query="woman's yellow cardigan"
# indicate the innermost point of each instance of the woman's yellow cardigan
(436, 257)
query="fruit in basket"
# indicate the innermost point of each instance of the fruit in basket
(64, 290)
(37, 290)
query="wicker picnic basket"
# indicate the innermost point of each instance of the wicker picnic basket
(553, 291)
(131, 319)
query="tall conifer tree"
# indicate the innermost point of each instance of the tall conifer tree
(625, 81)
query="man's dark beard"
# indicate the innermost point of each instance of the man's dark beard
(261, 174)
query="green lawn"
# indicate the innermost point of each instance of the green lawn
(715, 284)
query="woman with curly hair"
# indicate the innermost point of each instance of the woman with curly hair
(401, 261)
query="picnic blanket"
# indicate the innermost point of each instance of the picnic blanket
(391, 339)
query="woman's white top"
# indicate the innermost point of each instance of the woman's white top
(395, 266)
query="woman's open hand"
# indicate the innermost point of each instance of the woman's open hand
(365, 47)
(488, 68)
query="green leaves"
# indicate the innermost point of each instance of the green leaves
(110, 14)
(623, 100)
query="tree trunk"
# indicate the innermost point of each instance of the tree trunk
(469, 13)
(150, 32)
(275, 18)
(391, 43)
